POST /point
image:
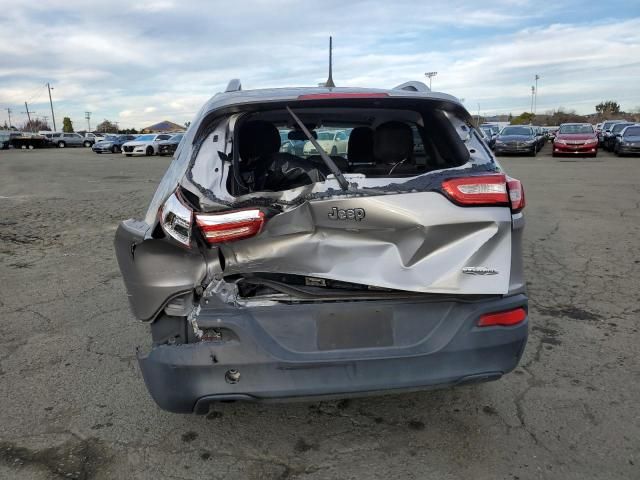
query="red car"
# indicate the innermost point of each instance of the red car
(576, 139)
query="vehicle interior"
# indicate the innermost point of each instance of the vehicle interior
(275, 154)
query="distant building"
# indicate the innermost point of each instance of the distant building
(163, 127)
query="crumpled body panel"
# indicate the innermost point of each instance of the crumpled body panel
(418, 242)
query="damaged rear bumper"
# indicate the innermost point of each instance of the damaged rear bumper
(333, 349)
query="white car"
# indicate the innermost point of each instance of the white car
(146, 144)
(94, 137)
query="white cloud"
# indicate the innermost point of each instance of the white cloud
(154, 60)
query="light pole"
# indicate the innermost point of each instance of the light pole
(535, 103)
(533, 92)
(87, 115)
(478, 121)
(430, 75)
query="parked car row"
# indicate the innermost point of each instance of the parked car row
(112, 143)
(619, 136)
(146, 144)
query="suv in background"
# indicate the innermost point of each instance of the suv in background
(62, 139)
(605, 130)
(615, 131)
(267, 275)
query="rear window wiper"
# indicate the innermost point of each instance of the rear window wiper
(326, 158)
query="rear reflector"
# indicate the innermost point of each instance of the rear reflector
(503, 319)
(479, 190)
(325, 96)
(176, 218)
(516, 194)
(229, 226)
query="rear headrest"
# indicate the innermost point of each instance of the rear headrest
(360, 147)
(392, 142)
(258, 139)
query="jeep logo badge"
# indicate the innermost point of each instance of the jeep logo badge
(356, 214)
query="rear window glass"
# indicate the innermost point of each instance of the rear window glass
(516, 131)
(619, 127)
(576, 129)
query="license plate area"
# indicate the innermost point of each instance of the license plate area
(369, 328)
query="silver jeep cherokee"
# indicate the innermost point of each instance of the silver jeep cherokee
(269, 275)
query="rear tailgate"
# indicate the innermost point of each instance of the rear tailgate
(420, 242)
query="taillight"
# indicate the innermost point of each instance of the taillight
(516, 194)
(477, 191)
(176, 220)
(503, 319)
(228, 226)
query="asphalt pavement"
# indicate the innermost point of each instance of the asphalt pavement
(74, 404)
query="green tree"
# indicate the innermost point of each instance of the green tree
(525, 118)
(608, 107)
(67, 125)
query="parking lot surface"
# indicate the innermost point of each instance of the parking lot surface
(74, 404)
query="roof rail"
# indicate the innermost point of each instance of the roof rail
(234, 85)
(412, 86)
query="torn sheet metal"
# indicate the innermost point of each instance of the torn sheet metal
(417, 242)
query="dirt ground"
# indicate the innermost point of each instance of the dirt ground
(74, 404)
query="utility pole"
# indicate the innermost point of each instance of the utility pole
(87, 115)
(430, 75)
(9, 113)
(53, 117)
(533, 92)
(535, 103)
(478, 121)
(26, 107)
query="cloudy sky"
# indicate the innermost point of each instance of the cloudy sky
(138, 62)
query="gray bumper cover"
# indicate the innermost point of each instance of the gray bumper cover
(279, 352)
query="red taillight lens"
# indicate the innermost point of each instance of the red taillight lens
(503, 319)
(325, 96)
(229, 226)
(477, 191)
(516, 194)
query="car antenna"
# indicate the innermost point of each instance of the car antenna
(329, 83)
